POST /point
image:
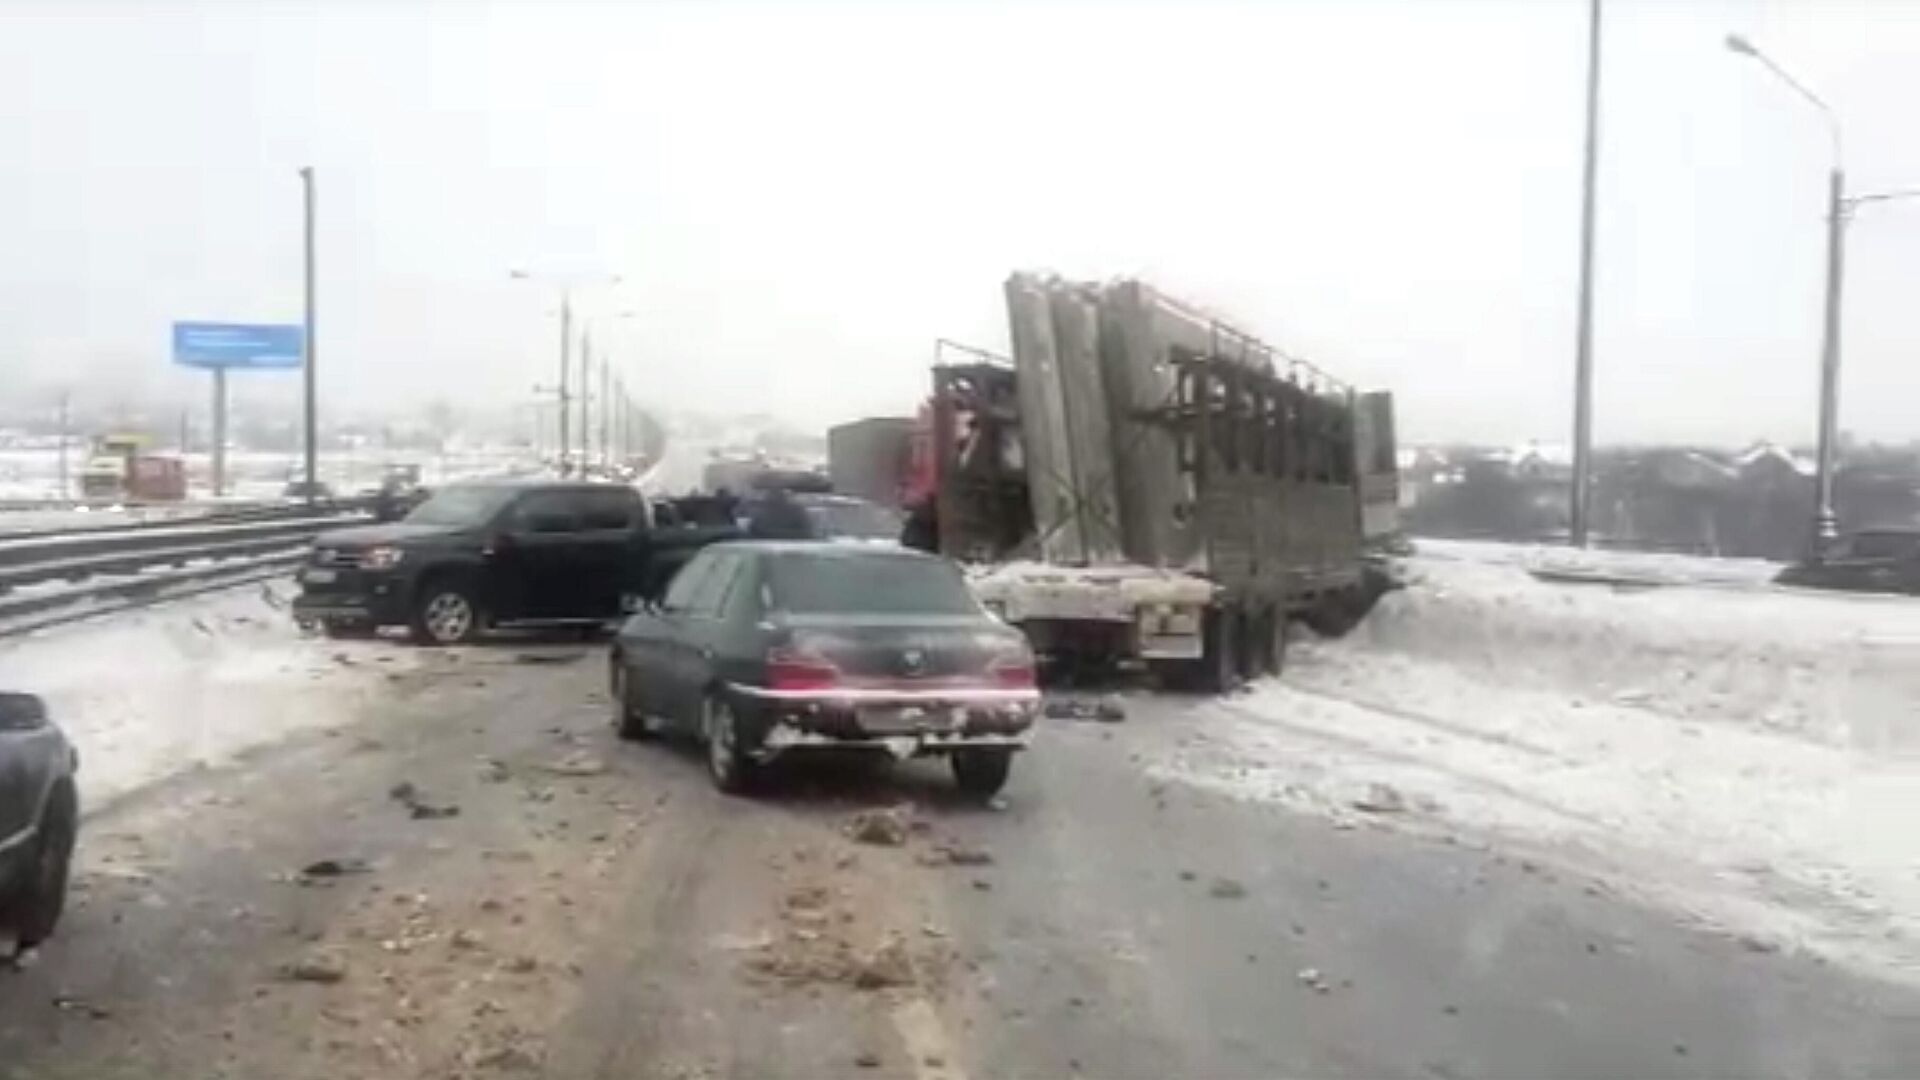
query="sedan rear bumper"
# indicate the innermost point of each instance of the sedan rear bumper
(903, 722)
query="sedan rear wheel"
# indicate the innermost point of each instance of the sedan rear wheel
(982, 771)
(36, 909)
(626, 720)
(732, 771)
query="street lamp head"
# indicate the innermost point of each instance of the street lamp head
(1736, 43)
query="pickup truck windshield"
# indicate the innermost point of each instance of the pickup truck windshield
(470, 505)
(807, 584)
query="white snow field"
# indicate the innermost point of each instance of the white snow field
(1748, 755)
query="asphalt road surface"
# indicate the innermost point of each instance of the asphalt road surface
(516, 893)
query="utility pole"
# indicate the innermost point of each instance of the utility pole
(586, 397)
(219, 459)
(566, 343)
(309, 411)
(566, 392)
(1582, 495)
(620, 419)
(65, 397)
(606, 410)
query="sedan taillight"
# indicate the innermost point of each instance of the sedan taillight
(791, 670)
(1014, 672)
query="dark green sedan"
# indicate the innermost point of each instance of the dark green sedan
(772, 648)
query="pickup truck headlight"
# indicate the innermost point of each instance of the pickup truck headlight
(385, 557)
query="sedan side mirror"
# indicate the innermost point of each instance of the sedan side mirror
(22, 712)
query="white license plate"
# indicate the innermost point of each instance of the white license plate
(1171, 647)
(902, 719)
(318, 577)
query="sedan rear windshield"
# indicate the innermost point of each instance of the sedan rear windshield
(808, 584)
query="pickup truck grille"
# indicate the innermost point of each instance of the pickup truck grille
(340, 558)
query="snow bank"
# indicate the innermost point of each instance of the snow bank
(1745, 757)
(1840, 669)
(151, 693)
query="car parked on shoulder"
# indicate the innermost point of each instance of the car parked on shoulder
(507, 553)
(39, 819)
(1872, 560)
(770, 648)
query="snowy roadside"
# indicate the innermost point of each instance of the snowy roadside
(1751, 759)
(154, 692)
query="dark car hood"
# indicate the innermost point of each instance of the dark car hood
(393, 532)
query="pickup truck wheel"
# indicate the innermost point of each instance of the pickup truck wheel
(445, 614)
(629, 723)
(982, 771)
(732, 771)
(35, 910)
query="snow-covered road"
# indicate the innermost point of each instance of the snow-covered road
(1751, 758)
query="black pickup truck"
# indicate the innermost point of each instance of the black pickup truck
(500, 553)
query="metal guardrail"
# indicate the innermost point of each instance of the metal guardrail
(37, 611)
(77, 556)
(219, 514)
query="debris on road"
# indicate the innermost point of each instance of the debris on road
(494, 771)
(410, 797)
(76, 1003)
(867, 1060)
(1314, 980)
(319, 966)
(1381, 799)
(887, 965)
(883, 828)
(330, 868)
(578, 763)
(547, 657)
(1107, 709)
(954, 853)
(1226, 889)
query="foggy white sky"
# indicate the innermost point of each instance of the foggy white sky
(803, 197)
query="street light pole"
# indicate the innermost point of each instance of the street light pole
(606, 410)
(1826, 524)
(1577, 517)
(309, 411)
(566, 343)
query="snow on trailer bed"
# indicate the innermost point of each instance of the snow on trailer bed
(1751, 758)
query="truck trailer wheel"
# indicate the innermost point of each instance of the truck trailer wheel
(1275, 657)
(1266, 642)
(1221, 654)
(1337, 612)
